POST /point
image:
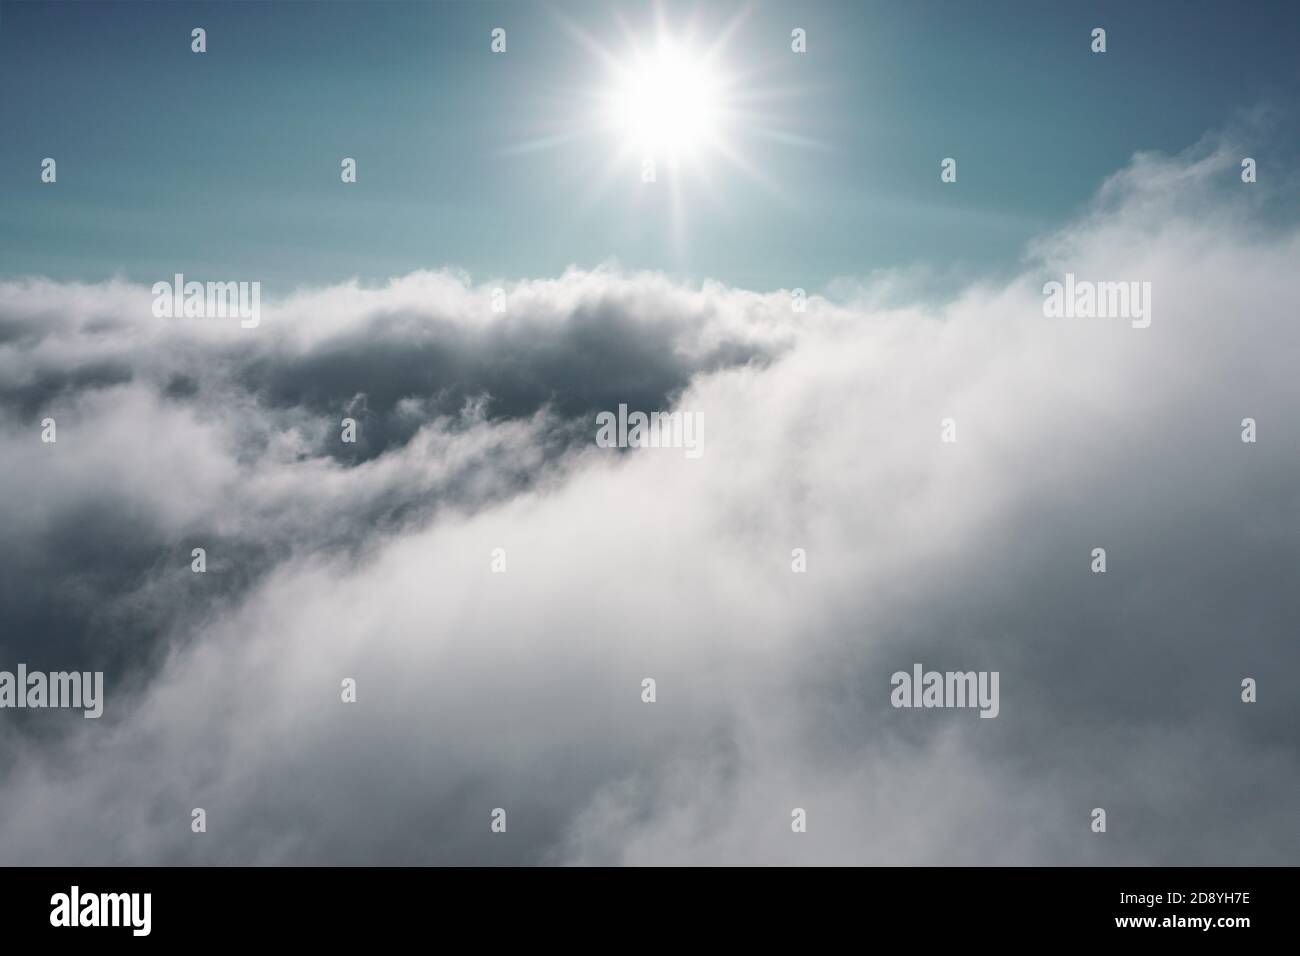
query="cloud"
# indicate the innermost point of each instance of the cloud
(521, 690)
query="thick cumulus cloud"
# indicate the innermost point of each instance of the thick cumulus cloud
(522, 690)
(198, 433)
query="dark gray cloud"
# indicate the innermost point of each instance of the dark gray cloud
(521, 690)
(104, 583)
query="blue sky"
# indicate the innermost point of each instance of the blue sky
(227, 164)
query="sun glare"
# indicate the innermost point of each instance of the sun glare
(667, 101)
(677, 117)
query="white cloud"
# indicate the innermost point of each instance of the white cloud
(522, 690)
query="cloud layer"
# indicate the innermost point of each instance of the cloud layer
(522, 690)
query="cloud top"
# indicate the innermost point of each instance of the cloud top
(522, 689)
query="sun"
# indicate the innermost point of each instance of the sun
(667, 101)
(661, 115)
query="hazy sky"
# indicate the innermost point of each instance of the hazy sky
(226, 165)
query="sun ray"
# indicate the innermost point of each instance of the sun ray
(667, 99)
